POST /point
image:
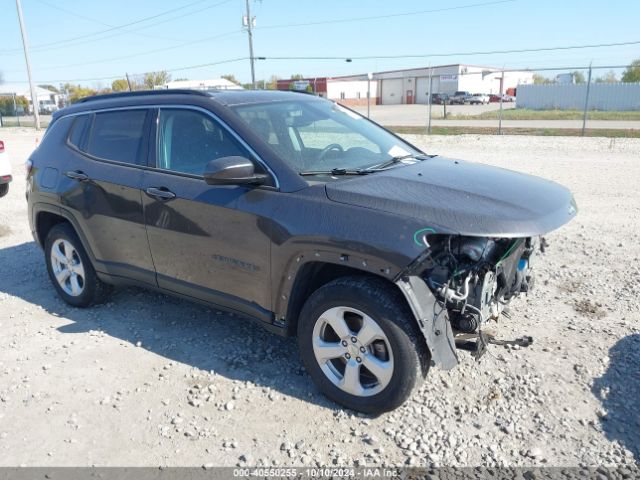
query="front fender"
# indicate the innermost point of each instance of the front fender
(432, 319)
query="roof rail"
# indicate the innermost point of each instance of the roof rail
(145, 93)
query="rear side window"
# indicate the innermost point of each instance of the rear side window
(79, 131)
(118, 136)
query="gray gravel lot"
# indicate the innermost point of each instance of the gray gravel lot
(147, 379)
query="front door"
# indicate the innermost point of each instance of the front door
(206, 241)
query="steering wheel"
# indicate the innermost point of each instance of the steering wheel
(331, 147)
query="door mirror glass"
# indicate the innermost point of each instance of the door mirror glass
(232, 170)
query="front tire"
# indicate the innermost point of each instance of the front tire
(4, 189)
(70, 269)
(360, 344)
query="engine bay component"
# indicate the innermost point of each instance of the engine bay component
(474, 278)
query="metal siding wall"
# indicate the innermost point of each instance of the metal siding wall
(602, 96)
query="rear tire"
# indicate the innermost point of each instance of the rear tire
(4, 189)
(360, 344)
(70, 269)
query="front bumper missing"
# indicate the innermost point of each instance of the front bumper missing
(433, 321)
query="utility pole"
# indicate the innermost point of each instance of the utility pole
(586, 104)
(25, 45)
(430, 100)
(501, 95)
(249, 26)
(369, 77)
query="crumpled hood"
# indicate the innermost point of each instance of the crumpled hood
(453, 196)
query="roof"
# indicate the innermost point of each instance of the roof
(153, 97)
(213, 83)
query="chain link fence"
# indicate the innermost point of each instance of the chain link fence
(469, 97)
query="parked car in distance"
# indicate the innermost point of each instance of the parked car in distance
(297, 212)
(439, 98)
(460, 97)
(495, 98)
(5, 171)
(478, 99)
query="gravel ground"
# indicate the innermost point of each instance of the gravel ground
(147, 379)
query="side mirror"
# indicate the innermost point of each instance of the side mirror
(232, 171)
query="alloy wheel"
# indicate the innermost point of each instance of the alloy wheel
(67, 267)
(353, 351)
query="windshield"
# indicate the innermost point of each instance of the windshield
(322, 136)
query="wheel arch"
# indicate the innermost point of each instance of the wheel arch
(312, 275)
(46, 216)
(45, 221)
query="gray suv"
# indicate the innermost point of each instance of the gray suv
(294, 211)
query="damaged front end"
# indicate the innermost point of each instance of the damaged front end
(461, 283)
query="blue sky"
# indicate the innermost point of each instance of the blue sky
(65, 47)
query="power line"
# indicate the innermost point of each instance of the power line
(48, 46)
(240, 59)
(140, 54)
(99, 22)
(114, 77)
(391, 15)
(170, 19)
(453, 54)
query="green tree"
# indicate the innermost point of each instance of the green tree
(155, 79)
(51, 88)
(6, 105)
(609, 77)
(297, 76)
(632, 73)
(540, 80)
(272, 84)
(578, 77)
(232, 78)
(120, 85)
(77, 92)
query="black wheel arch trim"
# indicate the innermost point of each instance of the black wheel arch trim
(284, 295)
(41, 207)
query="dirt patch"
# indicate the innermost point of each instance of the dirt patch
(589, 308)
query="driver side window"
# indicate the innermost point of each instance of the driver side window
(188, 140)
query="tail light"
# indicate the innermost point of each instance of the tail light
(1, 146)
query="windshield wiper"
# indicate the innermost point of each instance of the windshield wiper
(337, 172)
(394, 160)
(364, 171)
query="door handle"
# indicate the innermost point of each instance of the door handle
(161, 193)
(77, 175)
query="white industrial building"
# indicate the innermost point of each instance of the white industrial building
(412, 85)
(352, 92)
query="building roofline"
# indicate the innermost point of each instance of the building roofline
(363, 76)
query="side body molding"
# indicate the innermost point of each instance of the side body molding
(433, 321)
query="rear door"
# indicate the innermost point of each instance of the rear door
(207, 242)
(102, 179)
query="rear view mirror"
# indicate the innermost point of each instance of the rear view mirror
(233, 170)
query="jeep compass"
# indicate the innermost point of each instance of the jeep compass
(298, 212)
